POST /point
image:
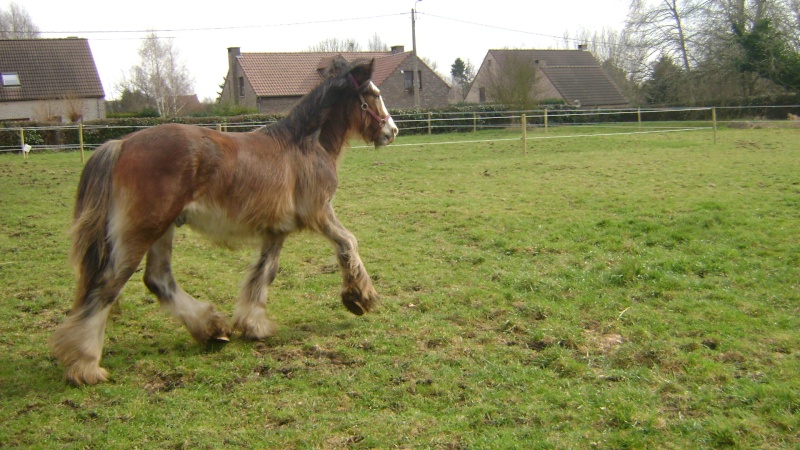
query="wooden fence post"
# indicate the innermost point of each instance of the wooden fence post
(80, 139)
(524, 135)
(714, 122)
(545, 119)
(429, 122)
(22, 143)
(474, 122)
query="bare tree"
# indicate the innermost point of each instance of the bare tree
(784, 16)
(704, 39)
(666, 27)
(433, 65)
(624, 61)
(721, 56)
(793, 19)
(16, 23)
(74, 108)
(376, 44)
(794, 9)
(336, 45)
(160, 75)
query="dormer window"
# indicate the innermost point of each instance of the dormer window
(10, 79)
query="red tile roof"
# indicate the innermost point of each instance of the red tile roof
(294, 74)
(49, 69)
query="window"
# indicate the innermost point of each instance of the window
(241, 86)
(10, 79)
(482, 95)
(408, 80)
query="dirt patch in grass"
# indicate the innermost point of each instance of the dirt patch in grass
(759, 124)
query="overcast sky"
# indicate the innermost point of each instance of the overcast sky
(203, 30)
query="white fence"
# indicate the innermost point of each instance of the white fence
(611, 121)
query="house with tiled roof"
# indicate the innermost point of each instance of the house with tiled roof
(272, 83)
(573, 76)
(49, 80)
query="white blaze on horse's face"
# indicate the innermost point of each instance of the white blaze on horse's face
(389, 130)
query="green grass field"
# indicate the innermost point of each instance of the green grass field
(606, 292)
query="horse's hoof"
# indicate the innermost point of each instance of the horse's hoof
(214, 328)
(352, 301)
(254, 328)
(86, 374)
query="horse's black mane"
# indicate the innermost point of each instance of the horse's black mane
(313, 110)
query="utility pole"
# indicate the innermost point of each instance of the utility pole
(414, 81)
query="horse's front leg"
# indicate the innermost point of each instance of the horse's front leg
(250, 316)
(358, 295)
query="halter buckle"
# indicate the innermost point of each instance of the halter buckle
(364, 106)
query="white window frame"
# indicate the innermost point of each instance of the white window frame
(10, 79)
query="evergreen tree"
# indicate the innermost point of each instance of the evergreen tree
(664, 84)
(766, 52)
(462, 74)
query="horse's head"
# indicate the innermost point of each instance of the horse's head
(376, 125)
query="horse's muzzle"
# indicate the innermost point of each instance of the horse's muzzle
(387, 134)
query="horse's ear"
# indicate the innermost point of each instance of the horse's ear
(362, 71)
(333, 66)
(371, 67)
(337, 66)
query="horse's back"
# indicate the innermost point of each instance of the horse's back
(226, 185)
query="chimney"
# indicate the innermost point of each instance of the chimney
(582, 46)
(233, 53)
(398, 49)
(233, 72)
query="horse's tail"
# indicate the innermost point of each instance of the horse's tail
(91, 246)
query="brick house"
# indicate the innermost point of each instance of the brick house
(49, 80)
(273, 82)
(573, 76)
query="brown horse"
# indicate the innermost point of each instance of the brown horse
(266, 184)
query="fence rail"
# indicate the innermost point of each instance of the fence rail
(89, 136)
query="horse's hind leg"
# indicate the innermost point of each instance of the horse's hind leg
(251, 311)
(358, 294)
(78, 341)
(200, 318)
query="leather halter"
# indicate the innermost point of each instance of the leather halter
(364, 106)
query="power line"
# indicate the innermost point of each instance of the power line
(293, 24)
(490, 26)
(242, 27)
(578, 40)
